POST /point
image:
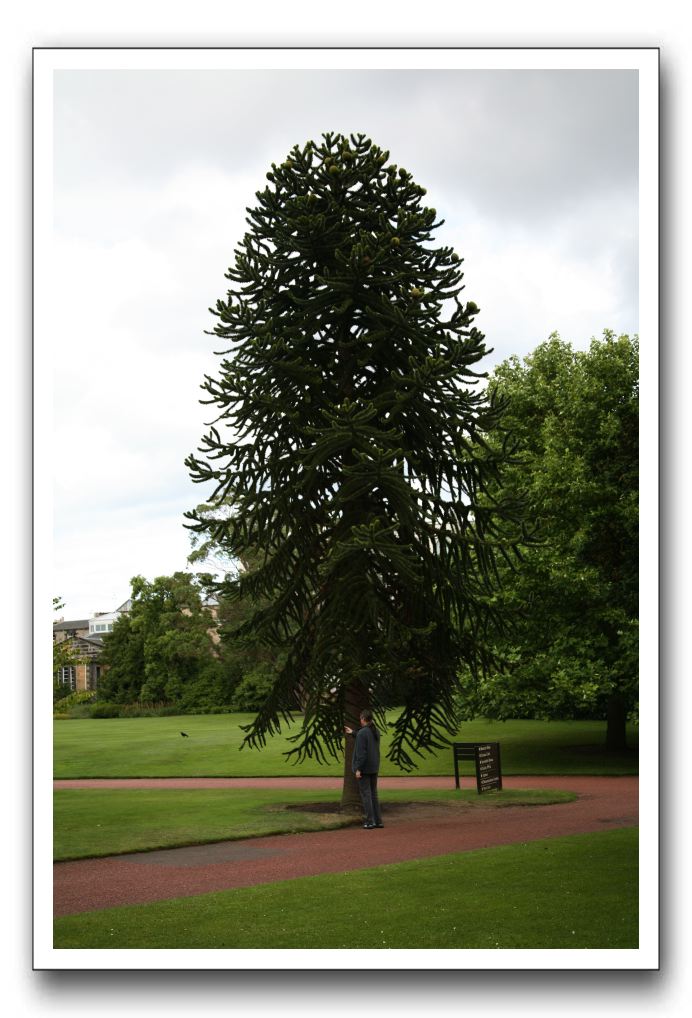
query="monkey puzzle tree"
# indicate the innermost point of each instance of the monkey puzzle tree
(353, 452)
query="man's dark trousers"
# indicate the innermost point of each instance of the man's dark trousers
(367, 786)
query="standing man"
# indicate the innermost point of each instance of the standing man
(366, 764)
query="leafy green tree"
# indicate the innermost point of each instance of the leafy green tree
(349, 437)
(163, 649)
(207, 555)
(574, 650)
(243, 657)
(123, 654)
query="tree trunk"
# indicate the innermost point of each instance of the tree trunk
(616, 731)
(357, 699)
(350, 796)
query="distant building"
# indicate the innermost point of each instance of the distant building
(86, 641)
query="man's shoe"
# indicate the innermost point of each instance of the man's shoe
(379, 825)
(368, 827)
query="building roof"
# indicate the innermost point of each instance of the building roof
(72, 624)
(90, 645)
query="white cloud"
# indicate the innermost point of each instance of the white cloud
(130, 316)
(528, 288)
(94, 564)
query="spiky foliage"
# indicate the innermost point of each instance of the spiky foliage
(355, 457)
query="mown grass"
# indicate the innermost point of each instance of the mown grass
(98, 822)
(153, 747)
(573, 892)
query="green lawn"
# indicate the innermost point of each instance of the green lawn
(153, 747)
(574, 892)
(96, 822)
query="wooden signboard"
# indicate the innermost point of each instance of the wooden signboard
(488, 772)
(486, 756)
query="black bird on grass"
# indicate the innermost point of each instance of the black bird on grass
(185, 735)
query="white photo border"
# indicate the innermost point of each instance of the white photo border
(643, 60)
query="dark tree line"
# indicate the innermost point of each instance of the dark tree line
(172, 648)
(573, 648)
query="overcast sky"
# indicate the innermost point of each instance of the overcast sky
(535, 173)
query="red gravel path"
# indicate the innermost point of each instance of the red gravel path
(84, 885)
(570, 783)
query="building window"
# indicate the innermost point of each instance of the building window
(68, 677)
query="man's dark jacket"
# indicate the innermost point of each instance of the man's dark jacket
(366, 754)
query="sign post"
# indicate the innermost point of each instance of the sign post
(486, 757)
(488, 771)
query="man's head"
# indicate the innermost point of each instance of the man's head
(365, 717)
